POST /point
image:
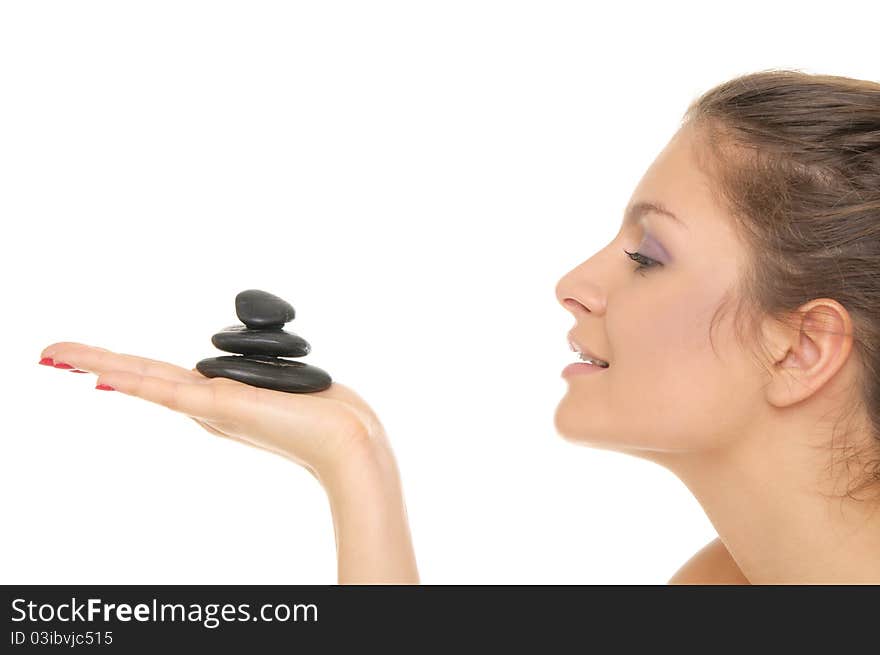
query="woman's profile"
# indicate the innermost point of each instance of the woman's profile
(737, 312)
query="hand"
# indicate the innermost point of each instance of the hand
(318, 430)
(332, 433)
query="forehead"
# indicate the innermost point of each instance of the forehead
(676, 180)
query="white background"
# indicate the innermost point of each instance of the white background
(414, 177)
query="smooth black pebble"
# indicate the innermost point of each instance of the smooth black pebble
(266, 372)
(274, 342)
(260, 309)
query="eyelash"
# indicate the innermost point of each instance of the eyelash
(644, 262)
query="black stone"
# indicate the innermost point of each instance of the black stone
(259, 309)
(267, 372)
(274, 342)
(261, 343)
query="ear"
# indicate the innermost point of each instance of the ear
(806, 355)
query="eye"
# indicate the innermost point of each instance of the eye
(644, 262)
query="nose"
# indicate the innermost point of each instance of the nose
(574, 306)
(579, 294)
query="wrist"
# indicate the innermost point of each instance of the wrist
(367, 464)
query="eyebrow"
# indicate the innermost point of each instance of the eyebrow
(639, 209)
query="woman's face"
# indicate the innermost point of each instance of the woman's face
(665, 388)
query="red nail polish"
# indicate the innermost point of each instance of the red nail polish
(47, 361)
(63, 365)
(76, 370)
(104, 387)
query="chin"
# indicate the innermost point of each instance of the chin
(575, 428)
(578, 429)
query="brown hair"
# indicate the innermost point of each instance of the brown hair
(795, 159)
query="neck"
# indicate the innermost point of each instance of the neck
(782, 510)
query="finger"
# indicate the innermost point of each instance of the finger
(206, 401)
(60, 344)
(100, 360)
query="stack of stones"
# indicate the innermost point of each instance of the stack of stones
(261, 343)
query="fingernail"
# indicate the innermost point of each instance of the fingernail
(62, 365)
(76, 370)
(47, 361)
(104, 387)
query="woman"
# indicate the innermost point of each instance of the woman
(743, 349)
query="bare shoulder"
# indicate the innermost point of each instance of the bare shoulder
(712, 564)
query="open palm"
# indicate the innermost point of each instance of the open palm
(313, 429)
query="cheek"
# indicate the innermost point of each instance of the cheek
(667, 377)
(660, 332)
(657, 344)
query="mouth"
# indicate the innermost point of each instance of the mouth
(584, 355)
(595, 361)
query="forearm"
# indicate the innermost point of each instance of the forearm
(373, 542)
